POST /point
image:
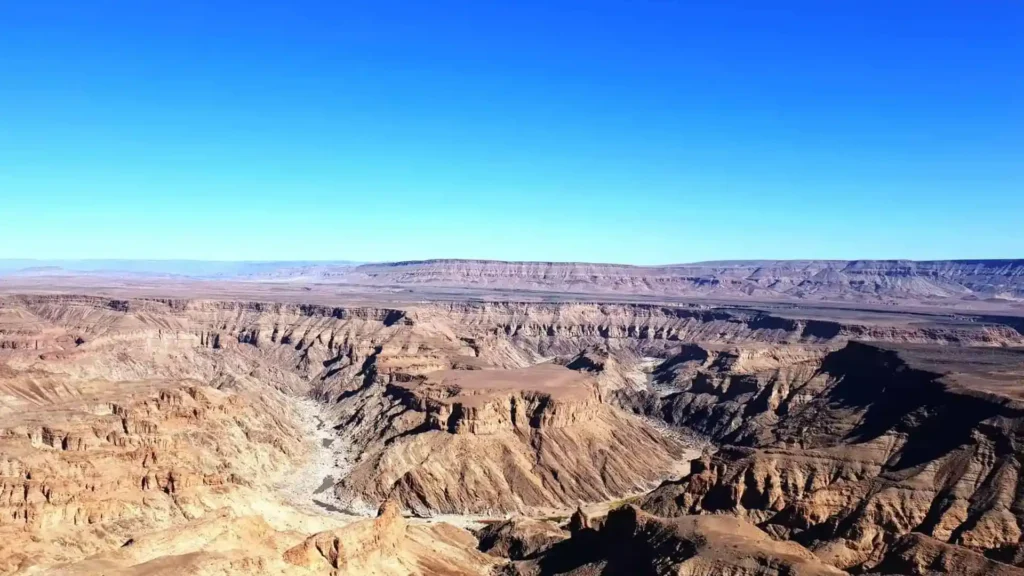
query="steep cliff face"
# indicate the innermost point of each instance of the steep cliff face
(388, 545)
(871, 445)
(144, 414)
(735, 395)
(502, 334)
(494, 441)
(123, 418)
(563, 328)
(91, 471)
(483, 401)
(857, 280)
(630, 541)
(223, 543)
(1000, 282)
(150, 437)
(520, 538)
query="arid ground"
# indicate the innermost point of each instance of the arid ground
(457, 417)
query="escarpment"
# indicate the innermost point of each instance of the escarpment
(630, 541)
(389, 545)
(732, 394)
(520, 538)
(838, 280)
(153, 434)
(322, 333)
(482, 401)
(873, 444)
(92, 471)
(499, 440)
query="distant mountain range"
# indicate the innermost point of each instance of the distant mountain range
(832, 280)
(198, 269)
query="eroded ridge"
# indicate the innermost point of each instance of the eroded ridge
(150, 436)
(492, 441)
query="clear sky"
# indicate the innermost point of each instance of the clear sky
(625, 131)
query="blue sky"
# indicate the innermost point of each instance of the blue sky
(630, 131)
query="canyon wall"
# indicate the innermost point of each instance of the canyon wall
(848, 451)
(873, 442)
(839, 280)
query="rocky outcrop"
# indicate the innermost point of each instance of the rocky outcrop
(633, 542)
(481, 402)
(96, 471)
(520, 538)
(919, 554)
(387, 545)
(223, 543)
(354, 548)
(874, 444)
(732, 394)
(494, 441)
(124, 418)
(319, 334)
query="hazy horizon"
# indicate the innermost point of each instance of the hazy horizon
(218, 267)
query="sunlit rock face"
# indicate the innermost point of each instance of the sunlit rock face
(147, 435)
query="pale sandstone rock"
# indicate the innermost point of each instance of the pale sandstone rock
(124, 418)
(630, 541)
(519, 538)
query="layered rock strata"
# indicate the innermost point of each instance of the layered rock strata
(491, 441)
(873, 444)
(631, 541)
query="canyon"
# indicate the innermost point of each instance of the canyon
(229, 427)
